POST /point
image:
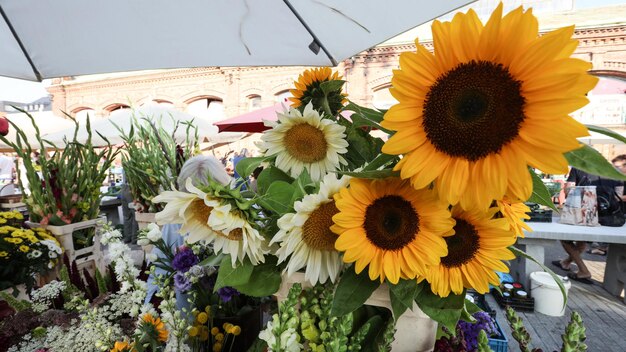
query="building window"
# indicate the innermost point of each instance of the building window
(116, 106)
(254, 102)
(382, 99)
(282, 96)
(81, 115)
(208, 108)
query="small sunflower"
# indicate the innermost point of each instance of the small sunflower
(306, 235)
(475, 253)
(191, 209)
(515, 213)
(308, 90)
(491, 100)
(236, 236)
(155, 327)
(305, 140)
(395, 229)
(122, 346)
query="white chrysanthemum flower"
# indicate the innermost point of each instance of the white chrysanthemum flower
(236, 236)
(305, 141)
(305, 237)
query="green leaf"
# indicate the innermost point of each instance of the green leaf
(540, 194)
(370, 114)
(444, 310)
(352, 292)
(270, 175)
(213, 260)
(591, 161)
(607, 132)
(375, 333)
(471, 308)
(245, 166)
(331, 86)
(518, 252)
(264, 281)
(381, 160)
(403, 295)
(372, 174)
(277, 198)
(229, 276)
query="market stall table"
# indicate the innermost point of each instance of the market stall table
(544, 233)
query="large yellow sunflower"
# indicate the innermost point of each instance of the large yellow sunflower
(308, 90)
(475, 253)
(515, 213)
(387, 224)
(305, 140)
(491, 100)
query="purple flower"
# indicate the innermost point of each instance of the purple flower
(184, 259)
(227, 293)
(181, 282)
(471, 330)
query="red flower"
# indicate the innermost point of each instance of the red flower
(4, 126)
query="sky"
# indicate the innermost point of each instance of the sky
(25, 91)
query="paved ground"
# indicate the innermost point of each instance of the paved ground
(603, 314)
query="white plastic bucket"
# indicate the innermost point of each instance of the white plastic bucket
(547, 295)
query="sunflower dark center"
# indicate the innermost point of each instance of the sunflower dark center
(391, 222)
(473, 110)
(316, 231)
(462, 246)
(305, 143)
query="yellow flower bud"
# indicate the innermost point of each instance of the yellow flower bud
(204, 336)
(193, 332)
(236, 330)
(227, 326)
(202, 318)
(207, 309)
(217, 347)
(215, 331)
(219, 337)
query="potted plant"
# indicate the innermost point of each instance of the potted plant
(64, 184)
(152, 159)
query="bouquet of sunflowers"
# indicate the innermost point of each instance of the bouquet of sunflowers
(24, 252)
(429, 212)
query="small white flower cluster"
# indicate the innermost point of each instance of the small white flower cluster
(289, 338)
(42, 298)
(110, 236)
(82, 336)
(129, 302)
(151, 234)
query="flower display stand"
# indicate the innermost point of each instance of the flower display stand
(89, 257)
(143, 219)
(416, 332)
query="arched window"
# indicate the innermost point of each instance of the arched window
(163, 102)
(207, 107)
(80, 114)
(282, 96)
(254, 102)
(382, 99)
(116, 106)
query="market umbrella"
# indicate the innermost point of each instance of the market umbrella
(46, 122)
(251, 121)
(56, 38)
(164, 116)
